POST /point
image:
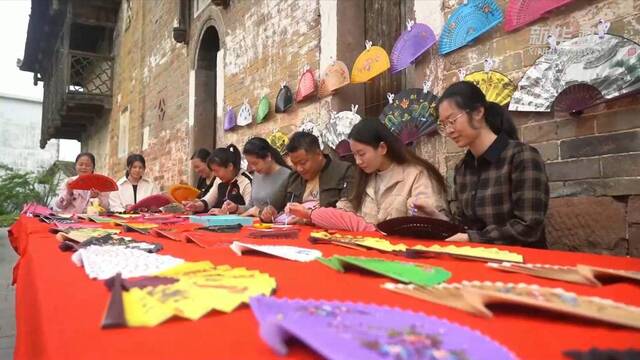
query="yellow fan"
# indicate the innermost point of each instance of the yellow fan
(278, 140)
(496, 86)
(369, 64)
(181, 192)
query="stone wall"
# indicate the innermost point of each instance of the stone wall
(593, 159)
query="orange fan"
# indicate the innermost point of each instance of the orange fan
(181, 192)
(97, 182)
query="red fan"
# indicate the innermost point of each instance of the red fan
(522, 12)
(576, 98)
(306, 86)
(98, 182)
(420, 227)
(151, 203)
(337, 219)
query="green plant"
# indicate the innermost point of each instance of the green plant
(18, 188)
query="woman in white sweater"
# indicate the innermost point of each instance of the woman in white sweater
(134, 186)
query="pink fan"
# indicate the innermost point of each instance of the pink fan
(151, 203)
(576, 98)
(522, 12)
(337, 219)
(410, 45)
(33, 209)
(306, 85)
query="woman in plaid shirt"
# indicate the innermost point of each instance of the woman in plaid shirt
(501, 186)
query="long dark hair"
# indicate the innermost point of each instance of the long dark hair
(260, 148)
(132, 159)
(372, 132)
(202, 154)
(90, 156)
(223, 156)
(468, 97)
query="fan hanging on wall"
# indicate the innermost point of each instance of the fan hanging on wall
(468, 22)
(609, 63)
(410, 114)
(372, 62)
(496, 86)
(412, 43)
(522, 12)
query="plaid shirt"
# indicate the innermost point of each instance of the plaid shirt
(502, 196)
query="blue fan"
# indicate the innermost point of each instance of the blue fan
(467, 22)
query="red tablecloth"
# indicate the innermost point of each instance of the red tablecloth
(59, 309)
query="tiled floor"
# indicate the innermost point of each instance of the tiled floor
(7, 298)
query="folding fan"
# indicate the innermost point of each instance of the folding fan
(347, 330)
(576, 98)
(420, 227)
(284, 100)
(335, 76)
(410, 45)
(245, 117)
(263, 109)
(306, 85)
(338, 128)
(410, 114)
(278, 140)
(151, 203)
(181, 192)
(337, 219)
(496, 86)
(610, 64)
(522, 12)
(229, 119)
(372, 62)
(97, 182)
(467, 22)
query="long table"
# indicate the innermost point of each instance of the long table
(59, 309)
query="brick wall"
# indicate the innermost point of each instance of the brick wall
(594, 159)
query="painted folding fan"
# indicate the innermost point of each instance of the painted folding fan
(411, 113)
(411, 273)
(245, 115)
(345, 330)
(200, 288)
(278, 140)
(468, 22)
(473, 296)
(608, 63)
(372, 62)
(338, 128)
(522, 12)
(96, 182)
(496, 86)
(284, 99)
(263, 109)
(338, 219)
(182, 192)
(306, 85)
(579, 274)
(334, 77)
(412, 43)
(229, 119)
(311, 127)
(83, 234)
(294, 253)
(151, 203)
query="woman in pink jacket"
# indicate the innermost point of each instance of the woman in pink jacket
(75, 201)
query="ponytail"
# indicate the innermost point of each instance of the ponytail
(499, 120)
(224, 156)
(469, 97)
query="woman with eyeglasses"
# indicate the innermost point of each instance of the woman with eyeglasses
(500, 185)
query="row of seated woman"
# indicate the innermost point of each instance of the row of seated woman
(500, 185)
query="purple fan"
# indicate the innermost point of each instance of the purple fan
(229, 119)
(410, 45)
(576, 98)
(343, 330)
